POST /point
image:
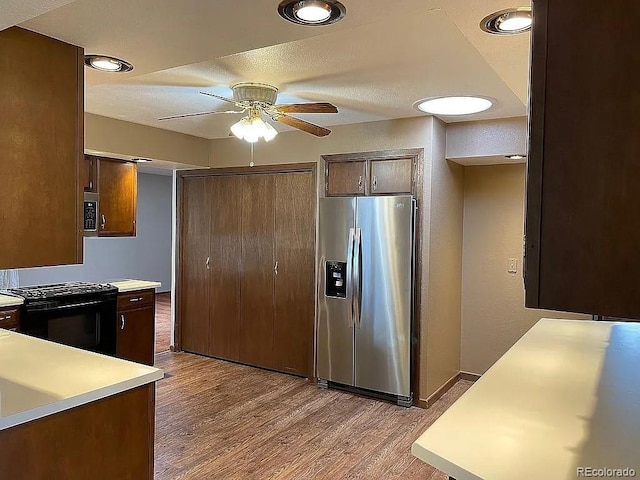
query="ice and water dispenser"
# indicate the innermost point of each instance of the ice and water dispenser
(336, 281)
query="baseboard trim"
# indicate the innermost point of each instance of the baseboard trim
(438, 393)
(471, 377)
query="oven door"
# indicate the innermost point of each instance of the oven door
(86, 324)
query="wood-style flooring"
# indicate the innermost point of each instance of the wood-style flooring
(163, 322)
(219, 420)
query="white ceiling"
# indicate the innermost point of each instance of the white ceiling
(372, 65)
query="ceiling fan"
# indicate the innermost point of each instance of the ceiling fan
(258, 99)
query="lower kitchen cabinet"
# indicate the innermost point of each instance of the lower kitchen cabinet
(247, 266)
(135, 339)
(10, 318)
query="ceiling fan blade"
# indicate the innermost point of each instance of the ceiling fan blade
(320, 107)
(302, 125)
(230, 100)
(198, 114)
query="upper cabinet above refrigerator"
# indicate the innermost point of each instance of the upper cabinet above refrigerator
(391, 172)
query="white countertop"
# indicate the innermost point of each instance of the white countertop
(39, 378)
(133, 285)
(9, 301)
(566, 395)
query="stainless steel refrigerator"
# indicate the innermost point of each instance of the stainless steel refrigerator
(366, 261)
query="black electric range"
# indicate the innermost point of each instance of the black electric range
(79, 314)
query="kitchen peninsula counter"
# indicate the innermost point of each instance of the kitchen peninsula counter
(65, 412)
(565, 397)
(10, 301)
(124, 286)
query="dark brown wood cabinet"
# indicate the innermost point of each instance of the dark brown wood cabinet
(136, 326)
(582, 225)
(112, 437)
(391, 176)
(247, 263)
(10, 318)
(345, 178)
(118, 189)
(41, 116)
(370, 173)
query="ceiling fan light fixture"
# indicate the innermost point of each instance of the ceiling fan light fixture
(312, 12)
(105, 63)
(460, 105)
(253, 128)
(508, 22)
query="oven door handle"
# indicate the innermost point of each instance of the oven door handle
(83, 304)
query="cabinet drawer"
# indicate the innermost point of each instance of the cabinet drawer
(9, 319)
(135, 299)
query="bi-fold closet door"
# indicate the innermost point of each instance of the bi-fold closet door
(248, 268)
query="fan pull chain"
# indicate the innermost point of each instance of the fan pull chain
(251, 164)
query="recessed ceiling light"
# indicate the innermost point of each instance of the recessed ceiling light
(107, 64)
(141, 160)
(508, 22)
(312, 12)
(464, 105)
(516, 157)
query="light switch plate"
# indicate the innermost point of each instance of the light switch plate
(513, 265)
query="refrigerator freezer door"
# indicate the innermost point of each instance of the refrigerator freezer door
(383, 332)
(335, 320)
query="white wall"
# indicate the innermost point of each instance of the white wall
(493, 313)
(146, 256)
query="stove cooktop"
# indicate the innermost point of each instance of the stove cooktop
(62, 290)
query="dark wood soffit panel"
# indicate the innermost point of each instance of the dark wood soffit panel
(374, 155)
(279, 168)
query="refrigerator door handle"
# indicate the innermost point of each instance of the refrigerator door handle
(357, 278)
(349, 278)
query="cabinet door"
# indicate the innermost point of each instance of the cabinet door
(256, 328)
(41, 117)
(136, 335)
(225, 247)
(118, 198)
(10, 319)
(391, 176)
(195, 264)
(582, 224)
(90, 174)
(294, 280)
(345, 178)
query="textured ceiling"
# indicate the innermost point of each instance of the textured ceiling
(13, 12)
(373, 65)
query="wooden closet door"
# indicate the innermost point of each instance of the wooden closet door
(194, 239)
(256, 325)
(225, 248)
(294, 283)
